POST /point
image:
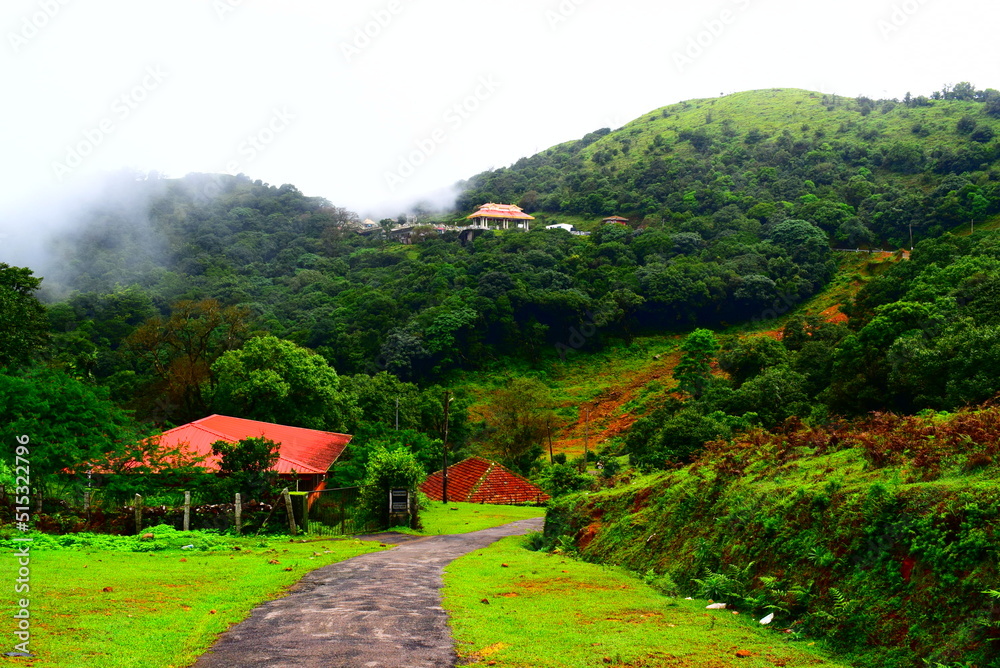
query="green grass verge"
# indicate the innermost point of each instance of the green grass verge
(114, 609)
(441, 518)
(549, 611)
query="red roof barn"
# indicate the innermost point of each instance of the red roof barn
(478, 480)
(305, 455)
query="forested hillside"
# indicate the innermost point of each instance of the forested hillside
(178, 297)
(295, 270)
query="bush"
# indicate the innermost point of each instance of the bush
(560, 479)
(388, 470)
(164, 537)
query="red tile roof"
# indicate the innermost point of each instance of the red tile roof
(478, 480)
(302, 450)
(501, 211)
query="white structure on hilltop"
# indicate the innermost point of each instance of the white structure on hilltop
(501, 215)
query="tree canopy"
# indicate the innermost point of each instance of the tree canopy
(23, 325)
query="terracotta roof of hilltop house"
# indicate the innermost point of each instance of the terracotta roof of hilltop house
(301, 450)
(615, 219)
(501, 211)
(478, 480)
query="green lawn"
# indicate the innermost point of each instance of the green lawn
(513, 607)
(441, 518)
(115, 609)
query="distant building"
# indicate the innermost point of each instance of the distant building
(616, 219)
(369, 224)
(561, 226)
(501, 216)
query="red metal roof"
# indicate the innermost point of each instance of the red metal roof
(302, 450)
(501, 211)
(478, 480)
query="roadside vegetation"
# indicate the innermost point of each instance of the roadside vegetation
(876, 536)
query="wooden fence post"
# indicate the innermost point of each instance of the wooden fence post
(138, 513)
(187, 511)
(239, 514)
(291, 513)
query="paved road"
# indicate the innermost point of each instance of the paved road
(379, 610)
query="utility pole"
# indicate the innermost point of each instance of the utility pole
(444, 450)
(911, 235)
(586, 441)
(548, 425)
(397, 413)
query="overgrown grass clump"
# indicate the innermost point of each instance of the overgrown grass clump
(881, 537)
(153, 539)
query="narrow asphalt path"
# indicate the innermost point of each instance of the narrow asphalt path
(378, 610)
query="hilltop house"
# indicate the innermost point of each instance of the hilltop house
(615, 219)
(501, 216)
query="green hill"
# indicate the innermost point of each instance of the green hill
(865, 171)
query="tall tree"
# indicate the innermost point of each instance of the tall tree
(23, 325)
(278, 381)
(68, 424)
(694, 371)
(179, 352)
(517, 418)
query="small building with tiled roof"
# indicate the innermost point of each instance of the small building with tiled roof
(478, 480)
(304, 455)
(615, 219)
(500, 215)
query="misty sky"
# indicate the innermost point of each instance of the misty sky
(373, 103)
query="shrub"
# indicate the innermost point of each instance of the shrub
(560, 479)
(388, 470)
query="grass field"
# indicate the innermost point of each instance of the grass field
(117, 609)
(451, 518)
(513, 607)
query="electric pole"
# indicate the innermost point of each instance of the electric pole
(548, 426)
(444, 451)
